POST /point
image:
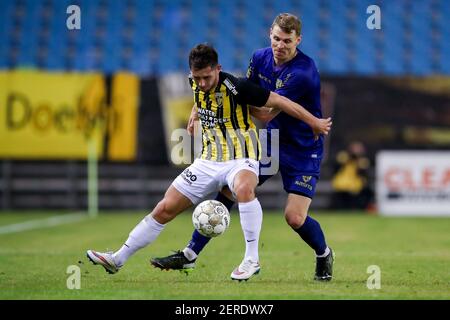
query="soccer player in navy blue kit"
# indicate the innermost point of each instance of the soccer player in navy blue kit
(285, 69)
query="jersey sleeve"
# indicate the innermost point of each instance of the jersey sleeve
(251, 70)
(250, 93)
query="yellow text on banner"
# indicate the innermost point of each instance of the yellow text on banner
(51, 115)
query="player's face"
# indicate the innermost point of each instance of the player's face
(206, 78)
(283, 44)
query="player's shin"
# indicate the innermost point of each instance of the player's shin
(195, 245)
(251, 220)
(312, 234)
(141, 236)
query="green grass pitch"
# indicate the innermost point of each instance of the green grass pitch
(413, 255)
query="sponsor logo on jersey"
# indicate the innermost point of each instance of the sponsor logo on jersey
(264, 78)
(305, 183)
(209, 118)
(230, 86)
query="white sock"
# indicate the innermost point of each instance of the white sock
(189, 254)
(327, 252)
(141, 236)
(251, 220)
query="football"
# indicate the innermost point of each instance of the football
(211, 218)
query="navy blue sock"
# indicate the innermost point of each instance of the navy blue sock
(199, 241)
(312, 234)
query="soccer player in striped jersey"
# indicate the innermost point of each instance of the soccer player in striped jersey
(286, 70)
(229, 158)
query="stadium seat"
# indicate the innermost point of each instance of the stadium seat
(116, 30)
(6, 12)
(444, 56)
(392, 57)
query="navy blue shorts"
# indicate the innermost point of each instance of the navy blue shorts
(301, 181)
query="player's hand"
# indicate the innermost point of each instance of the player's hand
(322, 126)
(191, 126)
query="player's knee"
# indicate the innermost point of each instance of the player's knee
(294, 218)
(245, 192)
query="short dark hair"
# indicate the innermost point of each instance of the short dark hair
(288, 22)
(203, 56)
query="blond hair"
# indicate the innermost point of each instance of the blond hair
(288, 22)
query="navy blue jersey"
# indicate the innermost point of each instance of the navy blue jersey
(299, 81)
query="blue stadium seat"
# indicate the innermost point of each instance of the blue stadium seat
(255, 27)
(393, 46)
(421, 58)
(365, 58)
(54, 61)
(143, 23)
(310, 38)
(144, 6)
(445, 67)
(338, 9)
(141, 64)
(364, 42)
(3, 60)
(111, 62)
(56, 48)
(444, 55)
(226, 15)
(28, 42)
(421, 21)
(309, 11)
(415, 37)
(337, 44)
(393, 56)
(282, 6)
(444, 44)
(6, 11)
(167, 60)
(309, 14)
(198, 29)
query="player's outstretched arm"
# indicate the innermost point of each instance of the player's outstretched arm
(264, 114)
(319, 126)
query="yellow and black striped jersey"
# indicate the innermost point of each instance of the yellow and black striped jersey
(228, 131)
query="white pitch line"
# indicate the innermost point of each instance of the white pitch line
(43, 223)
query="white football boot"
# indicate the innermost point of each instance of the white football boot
(245, 270)
(105, 259)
